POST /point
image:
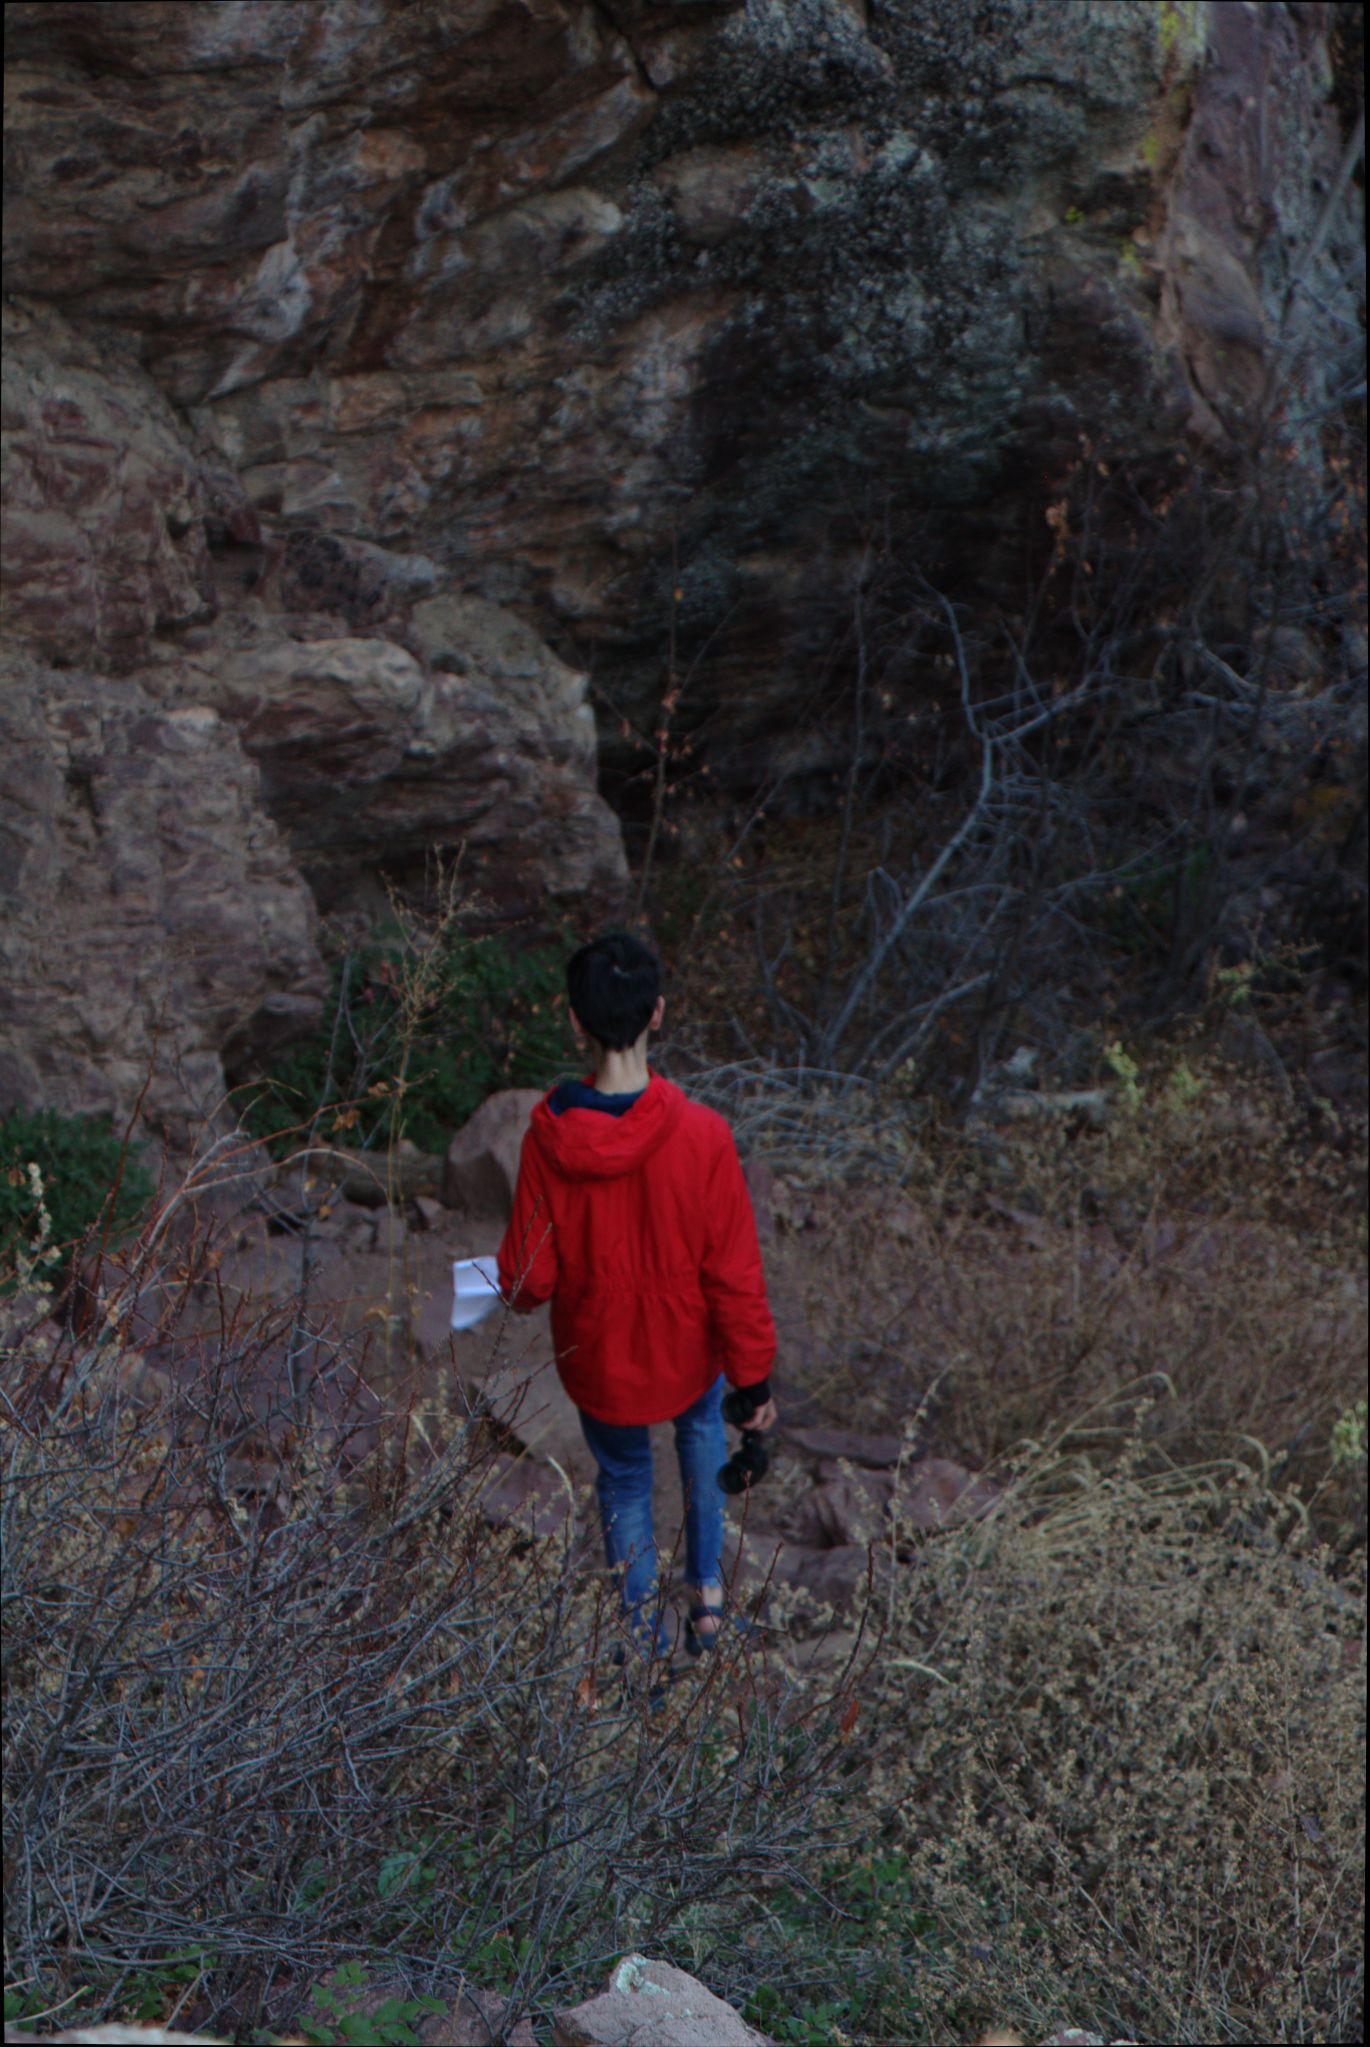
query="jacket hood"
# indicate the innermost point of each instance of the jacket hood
(585, 1144)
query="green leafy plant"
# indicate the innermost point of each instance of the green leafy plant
(25, 2002)
(60, 1177)
(1348, 1436)
(389, 2023)
(486, 1017)
(148, 1994)
(856, 1935)
(1183, 1088)
(1126, 1072)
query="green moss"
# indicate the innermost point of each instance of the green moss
(1181, 27)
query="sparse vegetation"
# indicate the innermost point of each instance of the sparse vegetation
(1098, 1760)
(486, 1016)
(1114, 1764)
(62, 1179)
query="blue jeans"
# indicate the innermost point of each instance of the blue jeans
(624, 1485)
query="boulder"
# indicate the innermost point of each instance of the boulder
(852, 1506)
(849, 1508)
(937, 1493)
(370, 1178)
(652, 2004)
(368, 751)
(483, 1158)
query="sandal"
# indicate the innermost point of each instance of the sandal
(704, 1645)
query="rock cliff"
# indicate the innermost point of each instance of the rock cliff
(357, 351)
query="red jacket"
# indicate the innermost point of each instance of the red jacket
(639, 1230)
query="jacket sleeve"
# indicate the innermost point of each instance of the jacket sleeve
(528, 1268)
(732, 1276)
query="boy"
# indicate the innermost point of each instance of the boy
(632, 1217)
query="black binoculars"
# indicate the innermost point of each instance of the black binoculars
(750, 1460)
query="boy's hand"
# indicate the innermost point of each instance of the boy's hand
(765, 1417)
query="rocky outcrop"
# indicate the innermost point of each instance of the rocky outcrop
(184, 750)
(371, 756)
(105, 502)
(558, 296)
(154, 914)
(355, 348)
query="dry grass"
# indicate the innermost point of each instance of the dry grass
(1116, 1735)
(1133, 1795)
(1032, 1272)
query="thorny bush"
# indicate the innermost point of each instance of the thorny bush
(277, 1693)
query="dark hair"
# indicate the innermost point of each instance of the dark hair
(613, 984)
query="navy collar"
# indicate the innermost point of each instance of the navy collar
(578, 1094)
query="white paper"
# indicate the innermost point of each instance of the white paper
(475, 1290)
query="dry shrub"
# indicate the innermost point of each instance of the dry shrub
(271, 1703)
(1122, 1728)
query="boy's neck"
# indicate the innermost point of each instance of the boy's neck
(621, 1073)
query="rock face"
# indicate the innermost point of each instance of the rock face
(155, 913)
(182, 755)
(532, 289)
(355, 348)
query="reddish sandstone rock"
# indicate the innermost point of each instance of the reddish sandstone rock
(859, 1447)
(103, 540)
(849, 1508)
(483, 1158)
(652, 2004)
(491, 290)
(936, 1493)
(156, 913)
(832, 1577)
